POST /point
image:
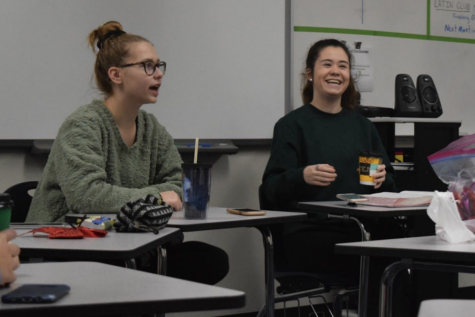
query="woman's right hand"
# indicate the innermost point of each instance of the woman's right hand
(172, 198)
(319, 175)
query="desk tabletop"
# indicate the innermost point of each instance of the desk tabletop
(219, 218)
(413, 120)
(101, 289)
(430, 247)
(120, 246)
(446, 307)
(342, 208)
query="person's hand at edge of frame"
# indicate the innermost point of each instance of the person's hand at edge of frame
(9, 260)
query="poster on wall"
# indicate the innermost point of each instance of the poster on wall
(362, 68)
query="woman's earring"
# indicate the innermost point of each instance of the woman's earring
(311, 79)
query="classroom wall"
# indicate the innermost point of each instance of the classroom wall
(216, 51)
(411, 37)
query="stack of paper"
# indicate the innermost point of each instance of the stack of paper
(402, 199)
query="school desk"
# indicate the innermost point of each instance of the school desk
(420, 253)
(219, 218)
(99, 289)
(344, 210)
(114, 246)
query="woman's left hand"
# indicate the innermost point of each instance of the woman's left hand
(172, 198)
(380, 176)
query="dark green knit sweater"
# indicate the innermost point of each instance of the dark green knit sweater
(91, 170)
(308, 136)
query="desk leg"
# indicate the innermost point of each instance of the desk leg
(386, 290)
(162, 261)
(269, 269)
(363, 292)
(364, 268)
(161, 269)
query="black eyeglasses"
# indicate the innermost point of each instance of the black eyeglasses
(150, 67)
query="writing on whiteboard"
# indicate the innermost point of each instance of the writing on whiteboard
(445, 5)
(459, 28)
(453, 18)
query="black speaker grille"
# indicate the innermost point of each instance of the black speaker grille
(430, 95)
(408, 94)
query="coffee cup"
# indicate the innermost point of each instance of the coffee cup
(369, 162)
(196, 189)
(5, 211)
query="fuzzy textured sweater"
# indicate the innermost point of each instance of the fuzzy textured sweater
(91, 170)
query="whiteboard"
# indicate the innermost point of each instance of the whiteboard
(225, 63)
(405, 37)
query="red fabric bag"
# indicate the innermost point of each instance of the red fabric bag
(70, 233)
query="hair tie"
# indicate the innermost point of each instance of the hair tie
(101, 42)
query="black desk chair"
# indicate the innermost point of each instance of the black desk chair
(296, 285)
(21, 199)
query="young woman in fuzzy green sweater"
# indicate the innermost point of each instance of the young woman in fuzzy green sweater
(110, 152)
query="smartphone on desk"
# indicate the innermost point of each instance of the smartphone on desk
(36, 293)
(246, 211)
(352, 198)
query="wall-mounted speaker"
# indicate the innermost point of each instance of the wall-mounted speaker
(428, 96)
(407, 101)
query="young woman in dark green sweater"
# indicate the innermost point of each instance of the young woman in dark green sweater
(315, 156)
(315, 148)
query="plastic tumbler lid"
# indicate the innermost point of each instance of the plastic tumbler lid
(5, 201)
